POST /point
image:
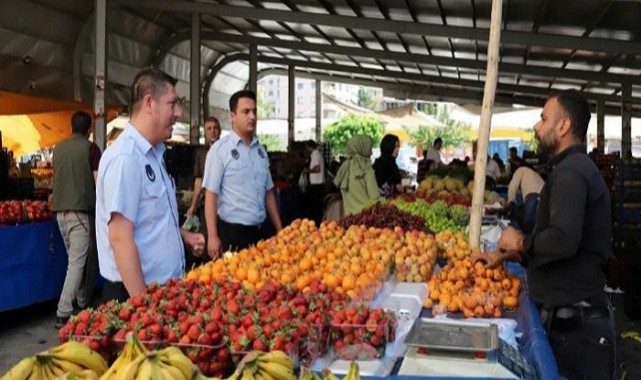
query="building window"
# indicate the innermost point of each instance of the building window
(271, 93)
(299, 86)
(271, 82)
(273, 111)
(314, 84)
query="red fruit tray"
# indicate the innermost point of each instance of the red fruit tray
(359, 342)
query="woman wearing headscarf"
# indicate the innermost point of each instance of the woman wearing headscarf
(356, 178)
(388, 176)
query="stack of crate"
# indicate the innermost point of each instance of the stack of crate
(627, 233)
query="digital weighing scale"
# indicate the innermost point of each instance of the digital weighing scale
(460, 349)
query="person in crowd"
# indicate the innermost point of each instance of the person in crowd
(75, 164)
(499, 161)
(514, 161)
(424, 166)
(529, 183)
(316, 191)
(139, 239)
(212, 134)
(569, 246)
(492, 169)
(356, 178)
(239, 191)
(388, 176)
(434, 153)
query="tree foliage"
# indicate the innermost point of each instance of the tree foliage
(339, 133)
(272, 142)
(263, 106)
(366, 100)
(453, 133)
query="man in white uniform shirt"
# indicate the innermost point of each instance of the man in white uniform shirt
(316, 172)
(434, 153)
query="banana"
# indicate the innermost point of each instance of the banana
(36, 373)
(80, 354)
(47, 371)
(129, 371)
(66, 366)
(130, 351)
(85, 374)
(56, 369)
(175, 358)
(277, 357)
(145, 371)
(247, 374)
(357, 372)
(171, 372)
(328, 375)
(277, 371)
(21, 370)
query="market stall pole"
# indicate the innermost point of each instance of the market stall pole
(486, 120)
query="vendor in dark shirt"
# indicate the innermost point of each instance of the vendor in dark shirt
(388, 176)
(570, 244)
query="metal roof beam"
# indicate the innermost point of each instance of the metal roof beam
(430, 93)
(402, 57)
(394, 26)
(543, 91)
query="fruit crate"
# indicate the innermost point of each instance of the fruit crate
(315, 345)
(212, 360)
(359, 342)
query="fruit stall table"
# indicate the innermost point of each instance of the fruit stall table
(33, 264)
(533, 343)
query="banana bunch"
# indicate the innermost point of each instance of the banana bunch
(352, 374)
(130, 352)
(274, 365)
(85, 374)
(169, 363)
(306, 374)
(70, 357)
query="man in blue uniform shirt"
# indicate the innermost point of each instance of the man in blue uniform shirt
(239, 189)
(139, 238)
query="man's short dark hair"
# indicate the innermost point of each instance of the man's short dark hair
(233, 101)
(81, 123)
(437, 141)
(424, 153)
(149, 81)
(212, 119)
(312, 144)
(576, 107)
(513, 149)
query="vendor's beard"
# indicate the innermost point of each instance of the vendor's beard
(548, 144)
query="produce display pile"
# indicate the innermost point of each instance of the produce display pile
(214, 324)
(453, 246)
(22, 212)
(472, 289)
(385, 216)
(438, 216)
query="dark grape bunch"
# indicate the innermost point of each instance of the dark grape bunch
(385, 216)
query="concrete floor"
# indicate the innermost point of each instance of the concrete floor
(30, 330)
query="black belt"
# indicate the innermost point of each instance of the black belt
(237, 225)
(580, 312)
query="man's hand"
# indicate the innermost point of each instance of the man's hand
(491, 259)
(195, 242)
(214, 246)
(190, 211)
(511, 240)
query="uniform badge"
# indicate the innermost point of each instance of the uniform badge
(234, 153)
(261, 153)
(150, 173)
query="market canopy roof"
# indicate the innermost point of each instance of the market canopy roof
(428, 49)
(30, 123)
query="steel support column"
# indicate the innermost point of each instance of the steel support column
(253, 67)
(319, 109)
(194, 81)
(291, 109)
(626, 119)
(600, 126)
(100, 74)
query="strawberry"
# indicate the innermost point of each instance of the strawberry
(84, 316)
(194, 332)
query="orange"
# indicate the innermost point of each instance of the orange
(349, 282)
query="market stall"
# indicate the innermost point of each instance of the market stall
(33, 265)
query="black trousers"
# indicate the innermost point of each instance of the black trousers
(584, 347)
(235, 237)
(316, 196)
(114, 291)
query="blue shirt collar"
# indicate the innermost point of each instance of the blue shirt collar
(142, 143)
(236, 139)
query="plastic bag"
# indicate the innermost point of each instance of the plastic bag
(303, 182)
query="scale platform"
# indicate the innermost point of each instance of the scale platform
(448, 348)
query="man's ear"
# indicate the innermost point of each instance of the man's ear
(566, 126)
(146, 102)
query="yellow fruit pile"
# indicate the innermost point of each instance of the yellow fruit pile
(415, 260)
(354, 261)
(453, 246)
(471, 288)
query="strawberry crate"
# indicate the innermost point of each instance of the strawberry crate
(314, 345)
(212, 360)
(360, 341)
